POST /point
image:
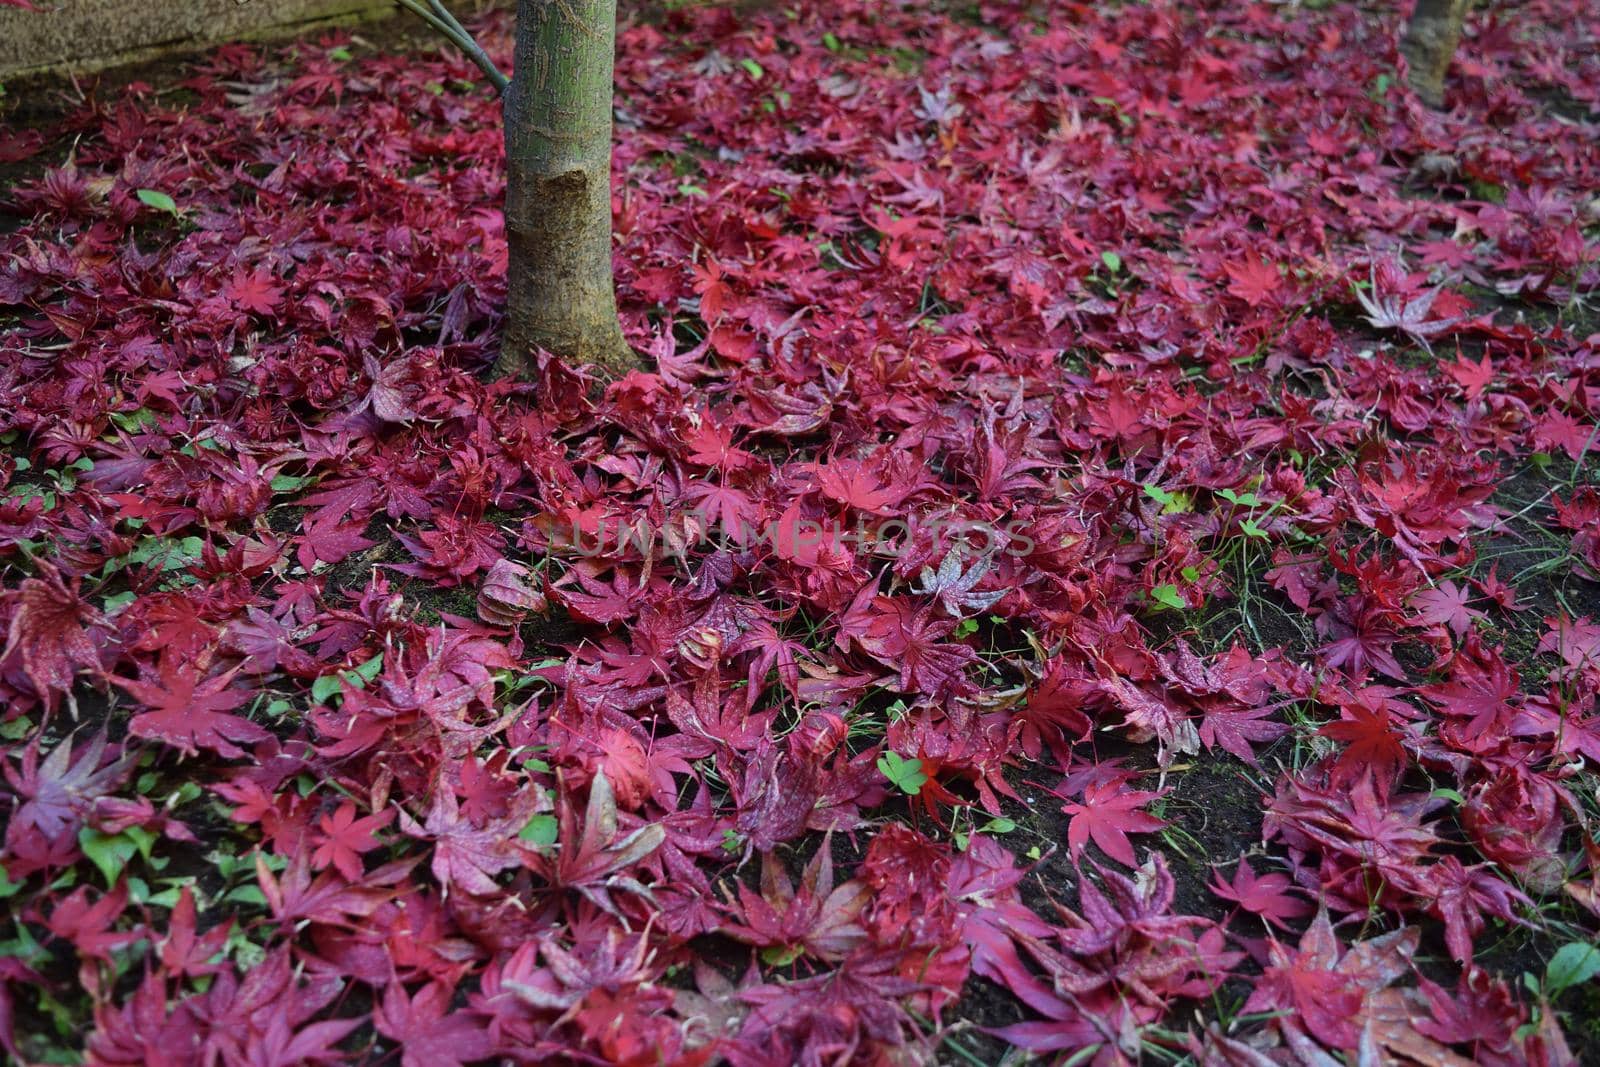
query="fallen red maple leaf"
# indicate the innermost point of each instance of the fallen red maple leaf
(1108, 814)
(818, 919)
(50, 630)
(1269, 896)
(59, 793)
(1253, 281)
(253, 291)
(188, 711)
(429, 1033)
(1373, 744)
(343, 837)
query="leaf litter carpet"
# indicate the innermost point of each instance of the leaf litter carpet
(1102, 561)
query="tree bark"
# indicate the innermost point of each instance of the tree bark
(1430, 42)
(559, 292)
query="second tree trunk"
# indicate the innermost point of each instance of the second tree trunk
(1429, 43)
(559, 293)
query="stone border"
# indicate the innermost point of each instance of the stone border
(81, 36)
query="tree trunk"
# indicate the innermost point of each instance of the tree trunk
(1430, 42)
(559, 293)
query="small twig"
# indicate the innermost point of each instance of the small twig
(435, 14)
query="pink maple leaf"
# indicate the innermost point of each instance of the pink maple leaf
(1268, 896)
(1575, 437)
(429, 1033)
(342, 838)
(50, 631)
(1445, 605)
(1108, 814)
(1235, 728)
(1252, 280)
(59, 793)
(253, 292)
(189, 712)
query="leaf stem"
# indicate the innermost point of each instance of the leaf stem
(435, 14)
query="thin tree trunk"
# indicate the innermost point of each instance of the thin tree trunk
(1430, 42)
(559, 292)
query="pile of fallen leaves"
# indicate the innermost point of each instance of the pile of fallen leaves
(1046, 402)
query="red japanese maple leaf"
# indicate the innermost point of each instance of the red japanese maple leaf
(1408, 315)
(330, 541)
(49, 629)
(598, 601)
(465, 856)
(428, 1032)
(1445, 605)
(818, 918)
(954, 589)
(391, 394)
(1235, 728)
(594, 853)
(456, 550)
(1252, 280)
(1322, 991)
(342, 838)
(1462, 898)
(1482, 691)
(1576, 437)
(253, 292)
(905, 635)
(1109, 813)
(1474, 378)
(92, 927)
(485, 790)
(1153, 716)
(723, 506)
(1373, 745)
(711, 445)
(330, 898)
(1269, 896)
(264, 1016)
(176, 627)
(858, 485)
(189, 711)
(58, 793)
(280, 1043)
(1003, 457)
(1362, 637)
(190, 953)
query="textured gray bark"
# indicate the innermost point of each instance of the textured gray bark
(559, 293)
(1429, 43)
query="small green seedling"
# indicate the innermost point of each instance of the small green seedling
(159, 201)
(905, 774)
(1243, 500)
(1168, 596)
(541, 831)
(1171, 503)
(1572, 965)
(111, 853)
(326, 686)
